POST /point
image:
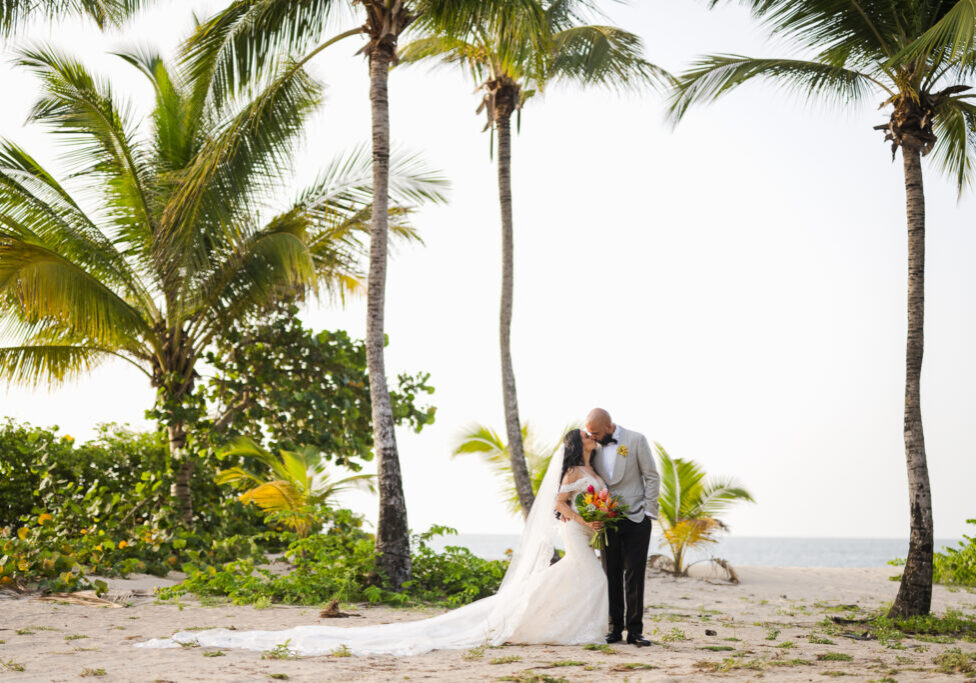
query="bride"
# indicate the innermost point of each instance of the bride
(537, 602)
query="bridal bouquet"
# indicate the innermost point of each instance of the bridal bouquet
(600, 506)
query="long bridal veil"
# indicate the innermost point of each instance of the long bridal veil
(491, 620)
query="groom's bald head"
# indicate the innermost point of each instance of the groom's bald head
(599, 424)
(598, 417)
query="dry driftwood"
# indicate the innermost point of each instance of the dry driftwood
(85, 598)
(663, 563)
(332, 612)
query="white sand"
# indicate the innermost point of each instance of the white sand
(787, 604)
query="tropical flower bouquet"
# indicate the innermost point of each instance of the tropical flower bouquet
(600, 506)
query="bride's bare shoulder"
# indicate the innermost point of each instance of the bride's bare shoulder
(572, 474)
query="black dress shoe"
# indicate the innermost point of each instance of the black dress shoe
(638, 640)
(614, 637)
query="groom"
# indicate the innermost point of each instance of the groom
(627, 466)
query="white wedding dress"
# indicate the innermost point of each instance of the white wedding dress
(564, 603)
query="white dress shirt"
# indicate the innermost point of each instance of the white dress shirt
(609, 454)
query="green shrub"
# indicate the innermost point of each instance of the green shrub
(341, 564)
(106, 510)
(21, 447)
(455, 575)
(957, 565)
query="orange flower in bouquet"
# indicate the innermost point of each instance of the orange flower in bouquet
(600, 506)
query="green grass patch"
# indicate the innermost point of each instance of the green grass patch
(632, 666)
(280, 651)
(506, 660)
(600, 647)
(834, 657)
(213, 653)
(790, 662)
(955, 661)
(92, 672)
(731, 664)
(567, 662)
(945, 628)
(674, 635)
(717, 648)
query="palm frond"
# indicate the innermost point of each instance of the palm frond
(241, 159)
(41, 286)
(447, 50)
(247, 39)
(955, 127)
(717, 496)
(950, 37)
(605, 56)
(15, 13)
(875, 27)
(101, 140)
(52, 364)
(715, 75)
(36, 206)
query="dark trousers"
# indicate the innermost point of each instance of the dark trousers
(624, 561)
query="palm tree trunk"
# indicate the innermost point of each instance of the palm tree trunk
(915, 592)
(392, 535)
(181, 490)
(520, 471)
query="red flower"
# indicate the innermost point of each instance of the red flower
(613, 513)
(590, 489)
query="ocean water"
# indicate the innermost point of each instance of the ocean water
(745, 551)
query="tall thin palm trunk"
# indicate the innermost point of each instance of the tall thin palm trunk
(915, 592)
(180, 489)
(520, 471)
(392, 534)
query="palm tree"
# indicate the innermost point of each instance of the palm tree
(172, 248)
(249, 39)
(863, 49)
(484, 441)
(690, 505)
(293, 485)
(510, 61)
(15, 13)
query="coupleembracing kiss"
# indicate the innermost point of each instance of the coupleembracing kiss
(606, 455)
(539, 601)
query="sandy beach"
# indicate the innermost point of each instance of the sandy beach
(770, 626)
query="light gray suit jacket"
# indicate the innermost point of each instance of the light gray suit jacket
(635, 478)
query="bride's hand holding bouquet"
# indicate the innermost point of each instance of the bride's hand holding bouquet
(600, 511)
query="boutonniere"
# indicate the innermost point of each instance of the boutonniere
(622, 451)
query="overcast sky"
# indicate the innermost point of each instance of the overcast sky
(734, 288)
